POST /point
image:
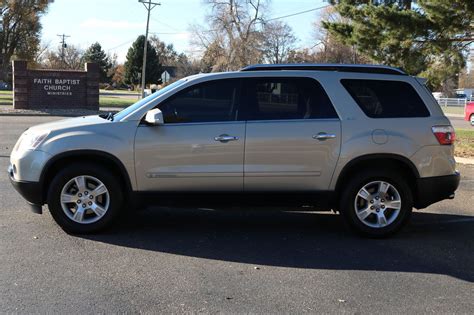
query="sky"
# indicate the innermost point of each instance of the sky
(115, 24)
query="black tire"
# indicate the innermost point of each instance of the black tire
(356, 183)
(67, 174)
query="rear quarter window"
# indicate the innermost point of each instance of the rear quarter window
(386, 99)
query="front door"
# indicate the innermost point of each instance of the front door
(293, 135)
(201, 145)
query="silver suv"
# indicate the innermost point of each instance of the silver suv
(369, 142)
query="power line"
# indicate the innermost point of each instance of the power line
(298, 13)
(167, 25)
(122, 44)
(264, 21)
(169, 33)
(178, 32)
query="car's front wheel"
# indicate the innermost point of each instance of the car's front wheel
(84, 198)
(471, 119)
(377, 204)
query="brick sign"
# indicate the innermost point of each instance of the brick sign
(36, 89)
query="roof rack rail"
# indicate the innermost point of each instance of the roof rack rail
(327, 67)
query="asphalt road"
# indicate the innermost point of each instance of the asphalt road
(233, 260)
(460, 123)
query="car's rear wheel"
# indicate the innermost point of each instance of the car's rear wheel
(471, 119)
(84, 198)
(376, 204)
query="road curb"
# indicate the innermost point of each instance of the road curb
(102, 110)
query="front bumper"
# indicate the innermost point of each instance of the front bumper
(434, 189)
(31, 191)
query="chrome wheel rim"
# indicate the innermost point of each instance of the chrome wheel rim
(85, 199)
(472, 120)
(377, 204)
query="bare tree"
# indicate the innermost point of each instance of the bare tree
(328, 49)
(304, 55)
(233, 28)
(72, 59)
(277, 41)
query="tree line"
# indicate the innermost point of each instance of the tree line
(428, 38)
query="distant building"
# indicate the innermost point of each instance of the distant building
(168, 74)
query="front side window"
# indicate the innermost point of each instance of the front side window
(287, 98)
(386, 99)
(204, 102)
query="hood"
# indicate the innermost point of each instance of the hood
(69, 123)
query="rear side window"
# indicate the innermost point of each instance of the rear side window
(386, 99)
(286, 98)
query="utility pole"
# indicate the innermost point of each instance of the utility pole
(63, 45)
(148, 6)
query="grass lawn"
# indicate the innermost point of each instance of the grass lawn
(464, 146)
(453, 110)
(110, 101)
(6, 98)
(119, 91)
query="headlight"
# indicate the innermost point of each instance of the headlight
(30, 141)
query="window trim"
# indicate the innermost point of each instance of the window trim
(244, 106)
(360, 106)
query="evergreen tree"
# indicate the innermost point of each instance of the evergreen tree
(133, 64)
(95, 54)
(425, 37)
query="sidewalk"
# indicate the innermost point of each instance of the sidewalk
(462, 160)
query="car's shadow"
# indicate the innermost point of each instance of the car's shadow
(432, 243)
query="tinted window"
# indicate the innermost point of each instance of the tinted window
(204, 102)
(286, 98)
(123, 113)
(386, 99)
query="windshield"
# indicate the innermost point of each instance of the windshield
(130, 109)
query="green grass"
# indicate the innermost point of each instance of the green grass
(453, 110)
(119, 91)
(6, 98)
(110, 101)
(464, 146)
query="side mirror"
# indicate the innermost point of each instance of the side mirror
(154, 117)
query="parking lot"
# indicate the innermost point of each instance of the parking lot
(254, 260)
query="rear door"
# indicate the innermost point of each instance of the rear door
(293, 135)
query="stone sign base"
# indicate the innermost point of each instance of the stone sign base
(35, 89)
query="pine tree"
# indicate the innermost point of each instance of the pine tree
(424, 37)
(95, 54)
(133, 64)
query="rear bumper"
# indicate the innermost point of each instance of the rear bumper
(434, 189)
(31, 191)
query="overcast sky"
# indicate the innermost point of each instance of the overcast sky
(115, 24)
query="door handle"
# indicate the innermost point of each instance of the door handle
(324, 136)
(226, 138)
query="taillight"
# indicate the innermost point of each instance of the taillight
(444, 134)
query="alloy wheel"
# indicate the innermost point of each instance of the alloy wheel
(377, 204)
(85, 199)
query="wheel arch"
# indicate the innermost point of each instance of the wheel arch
(385, 160)
(107, 160)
